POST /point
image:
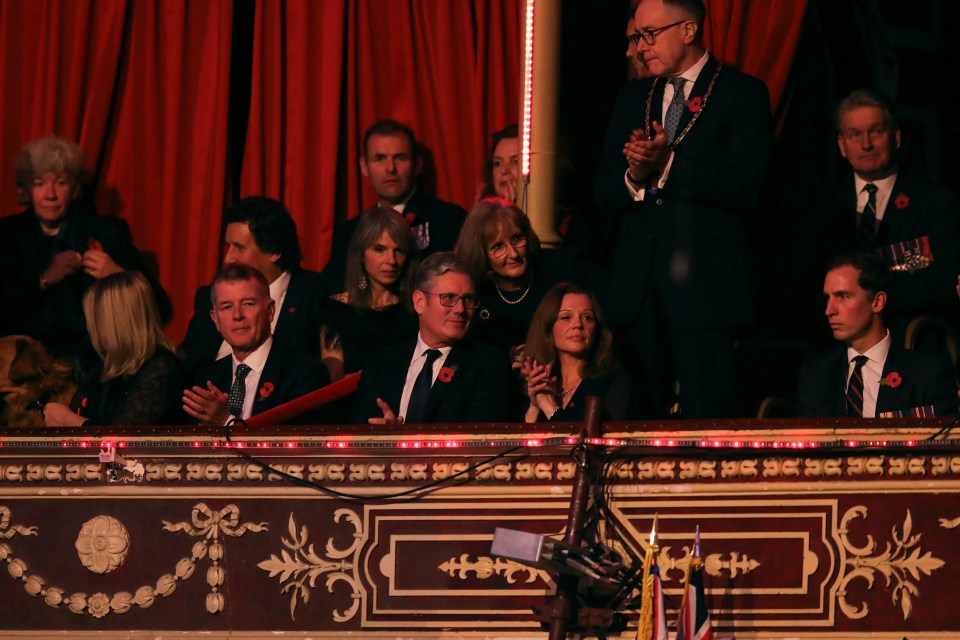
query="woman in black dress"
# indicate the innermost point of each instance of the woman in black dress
(569, 356)
(139, 380)
(373, 311)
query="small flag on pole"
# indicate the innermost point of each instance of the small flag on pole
(653, 612)
(693, 622)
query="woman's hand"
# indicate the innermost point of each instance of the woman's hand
(541, 389)
(56, 414)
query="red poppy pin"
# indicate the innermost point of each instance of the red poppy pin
(266, 389)
(446, 374)
(892, 380)
(292, 310)
(410, 215)
(902, 201)
(695, 104)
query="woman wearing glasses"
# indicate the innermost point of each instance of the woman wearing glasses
(511, 271)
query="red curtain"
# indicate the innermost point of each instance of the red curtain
(58, 66)
(760, 38)
(323, 72)
(143, 87)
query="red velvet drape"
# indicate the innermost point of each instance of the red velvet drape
(760, 38)
(324, 71)
(143, 87)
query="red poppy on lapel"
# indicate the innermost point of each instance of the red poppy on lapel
(445, 375)
(266, 389)
(291, 310)
(902, 201)
(892, 380)
(695, 104)
(410, 216)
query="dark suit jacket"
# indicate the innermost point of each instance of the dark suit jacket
(925, 380)
(686, 243)
(476, 392)
(298, 324)
(926, 210)
(55, 316)
(435, 224)
(286, 376)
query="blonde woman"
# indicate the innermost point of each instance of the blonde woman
(139, 380)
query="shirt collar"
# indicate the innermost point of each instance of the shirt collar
(884, 185)
(423, 346)
(877, 353)
(400, 207)
(278, 288)
(256, 360)
(691, 74)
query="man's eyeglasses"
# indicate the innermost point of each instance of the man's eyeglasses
(451, 299)
(650, 37)
(518, 242)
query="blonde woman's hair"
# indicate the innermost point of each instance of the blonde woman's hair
(123, 323)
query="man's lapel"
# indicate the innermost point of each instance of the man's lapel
(837, 380)
(268, 389)
(291, 310)
(452, 367)
(887, 397)
(698, 91)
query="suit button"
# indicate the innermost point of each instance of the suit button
(659, 200)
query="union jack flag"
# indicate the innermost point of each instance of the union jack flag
(659, 607)
(694, 623)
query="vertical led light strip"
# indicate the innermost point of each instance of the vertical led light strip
(527, 92)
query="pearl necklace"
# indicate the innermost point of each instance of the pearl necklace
(522, 296)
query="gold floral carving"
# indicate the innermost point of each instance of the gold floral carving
(949, 524)
(485, 567)
(621, 469)
(444, 470)
(823, 468)
(408, 471)
(534, 471)
(714, 564)
(98, 546)
(781, 467)
(566, 470)
(865, 466)
(298, 567)
(738, 469)
(494, 472)
(102, 544)
(907, 466)
(326, 472)
(662, 470)
(945, 465)
(209, 525)
(901, 564)
(368, 472)
(698, 469)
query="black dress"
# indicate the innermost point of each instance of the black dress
(617, 390)
(153, 395)
(365, 331)
(502, 317)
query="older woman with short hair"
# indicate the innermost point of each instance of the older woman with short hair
(139, 380)
(53, 251)
(569, 356)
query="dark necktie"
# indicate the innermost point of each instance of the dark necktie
(674, 110)
(238, 391)
(855, 388)
(867, 231)
(421, 389)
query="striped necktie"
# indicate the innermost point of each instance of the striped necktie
(855, 388)
(867, 231)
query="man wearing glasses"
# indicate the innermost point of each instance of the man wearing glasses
(440, 378)
(685, 159)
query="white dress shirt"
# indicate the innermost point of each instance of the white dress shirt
(416, 365)
(690, 75)
(256, 361)
(872, 372)
(884, 189)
